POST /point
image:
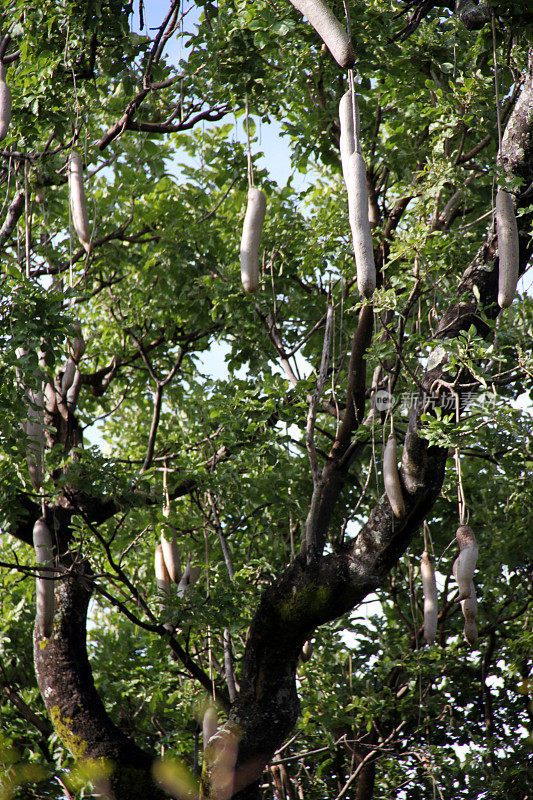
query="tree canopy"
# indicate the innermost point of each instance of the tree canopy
(148, 401)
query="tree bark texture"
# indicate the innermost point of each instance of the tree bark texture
(75, 708)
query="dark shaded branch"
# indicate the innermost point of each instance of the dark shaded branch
(13, 215)
(355, 392)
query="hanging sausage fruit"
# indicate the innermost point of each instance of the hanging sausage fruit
(429, 585)
(5, 103)
(78, 204)
(508, 249)
(391, 478)
(251, 239)
(44, 583)
(330, 30)
(464, 564)
(354, 172)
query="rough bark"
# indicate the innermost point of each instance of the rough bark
(73, 704)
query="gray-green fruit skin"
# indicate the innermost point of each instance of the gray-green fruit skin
(348, 134)
(391, 478)
(429, 585)
(5, 103)
(161, 573)
(251, 239)
(171, 556)
(78, 204)
(35, 432)
(68, 375)
(44, 584)
(307, 651)
(360, 226)
(464, 564)
(209, 724)
(508, 248)
(330, 30)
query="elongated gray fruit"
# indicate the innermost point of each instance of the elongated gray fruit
(469, 609)
(464, 564)
(68, 375)
(347, 137)
(50, 399)
(307, 651)
(508, 248)
(470, 632)
(190, 576)
(251, 239)
(391, 478)
(44, 584)
(429, 585)
(34, 428)
(330, 30)
(77, 345)
(49, 393)
(161, 573)
(360, 226)
(5, 103)
(171, 555)
(78, 204)
(469, 604)
(209, 724)
(74, 391)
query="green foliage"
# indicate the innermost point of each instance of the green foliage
(162, 286)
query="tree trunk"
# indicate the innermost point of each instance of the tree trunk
(75, 708)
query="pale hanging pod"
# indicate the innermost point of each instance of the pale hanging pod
(50, 399)
(251, 239)
(35, 433)
(49, 393)
(77, 345)
(429, 585)
(464, 564)
(469, 609)
(470, 632)
(68, 375)
(161, 573)
(508, 248)
(209, 724)
(360, 226)
(348, 134)
(78, 203)
(44, 583)
(190, 576)
(171, 555)
(5, 103)
(307, 651)
(74, 391)
(330, 30)
(354, 172)
(469, 604)
(391, 478)
(20, 352)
